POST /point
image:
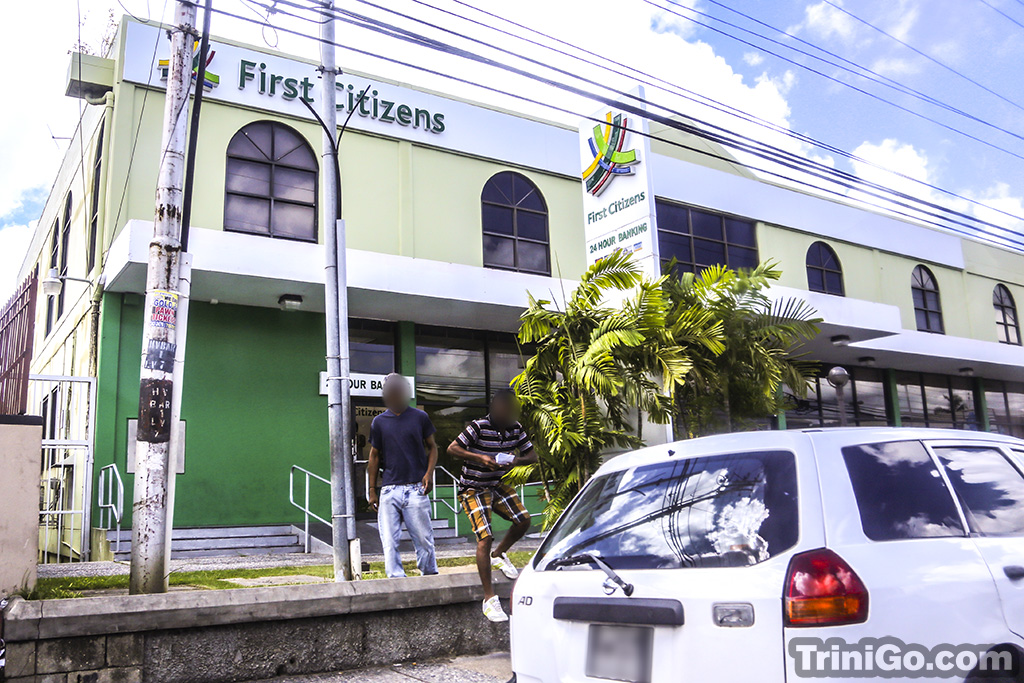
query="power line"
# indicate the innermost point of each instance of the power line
(996, 9)
(902, 87)
(927, 56)
(972, 231)
(138, 127)
(848, 85)
(759, 149)
(714, 104)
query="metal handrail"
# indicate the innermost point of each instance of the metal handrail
(111, 506)
(306, 511)
(435, 498)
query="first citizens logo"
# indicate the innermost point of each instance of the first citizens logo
(610, 158)
(210, 80)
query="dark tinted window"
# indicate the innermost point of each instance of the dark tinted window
(514, 217)
(271, 183)
(900, 492)
(1007, 326)
(927, 307)
(697, 239)
(725, 510)
(824, 273)
(991, 490)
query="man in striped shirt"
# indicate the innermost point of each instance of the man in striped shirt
(489, 448)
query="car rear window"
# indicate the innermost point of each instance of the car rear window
(991, 490)
(900, 492)
(723, 510)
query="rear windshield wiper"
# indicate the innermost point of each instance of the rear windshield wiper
(596, 560)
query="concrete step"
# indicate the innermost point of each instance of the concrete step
(442, 530)
(213, 532)
(125, 555)
(219, 541)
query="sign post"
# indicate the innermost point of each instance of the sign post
(618, 194)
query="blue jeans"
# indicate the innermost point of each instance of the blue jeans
(406, 503)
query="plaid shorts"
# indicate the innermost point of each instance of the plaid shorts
(478, 504)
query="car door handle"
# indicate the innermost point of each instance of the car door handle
(1014, 572)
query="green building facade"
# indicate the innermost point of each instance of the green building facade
(454, 211)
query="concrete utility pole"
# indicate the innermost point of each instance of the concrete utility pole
(347, 561)
(153, 463)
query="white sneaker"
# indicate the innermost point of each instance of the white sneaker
(493, 610)
(505, 565)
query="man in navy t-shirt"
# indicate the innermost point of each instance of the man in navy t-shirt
(402, 444)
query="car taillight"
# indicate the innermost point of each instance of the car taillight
(822, 590)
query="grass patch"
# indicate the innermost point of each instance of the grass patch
(215, 579)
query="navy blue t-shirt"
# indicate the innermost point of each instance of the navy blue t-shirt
(399, 440)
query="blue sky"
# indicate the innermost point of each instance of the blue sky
(965, 34)
(968, 35)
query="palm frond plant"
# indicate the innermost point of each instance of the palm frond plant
(734, 385)
(594, 366)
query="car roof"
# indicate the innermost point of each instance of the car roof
(797, 440)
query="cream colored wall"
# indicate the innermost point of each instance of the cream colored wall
(19, 506)
(446, 199)
(884, 277)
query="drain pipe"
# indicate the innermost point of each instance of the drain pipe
(101, 219)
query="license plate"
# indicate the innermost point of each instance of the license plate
(620, 653)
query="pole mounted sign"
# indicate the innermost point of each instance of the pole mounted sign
(618, 195)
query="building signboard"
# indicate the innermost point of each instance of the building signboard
(618, 194)
(365, 385)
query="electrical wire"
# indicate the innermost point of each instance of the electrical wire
(996, 9)
(127, 11)
(875, 76)
(138, 127)
(761, 150)
(922, 53)
(972, 231)
(848, 85)
(718, 106)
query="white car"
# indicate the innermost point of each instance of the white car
(777, 556)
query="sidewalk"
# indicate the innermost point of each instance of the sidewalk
(495, 668)
(84, 569)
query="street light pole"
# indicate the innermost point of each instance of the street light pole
(838, 377)
(159, 342)
(339, 400)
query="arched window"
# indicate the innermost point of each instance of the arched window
(515, 225)
(1007, 326)
(271, 184)
(824, 272)
(927, 309)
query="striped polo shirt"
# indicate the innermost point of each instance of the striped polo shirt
(480, 436)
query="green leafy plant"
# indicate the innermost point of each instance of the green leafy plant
(597, 369)
(737, 386)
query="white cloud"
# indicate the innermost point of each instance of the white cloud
(753, 58)
(896, 160)
(901, 165)
(906, 13)
(895, 66)
(825, 21)
(14, 241)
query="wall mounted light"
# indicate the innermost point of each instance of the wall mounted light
(289, 302)
(54, 282)
(966, 372)
(867, 360)
(841, 340)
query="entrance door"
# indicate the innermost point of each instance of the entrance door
(365, 409)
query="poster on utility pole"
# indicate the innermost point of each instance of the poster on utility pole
(618, 195)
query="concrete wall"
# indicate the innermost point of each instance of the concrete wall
(248, 634)
(19, 502)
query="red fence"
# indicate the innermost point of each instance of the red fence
(17, 322)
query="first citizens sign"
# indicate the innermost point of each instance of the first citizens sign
(618, 196)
